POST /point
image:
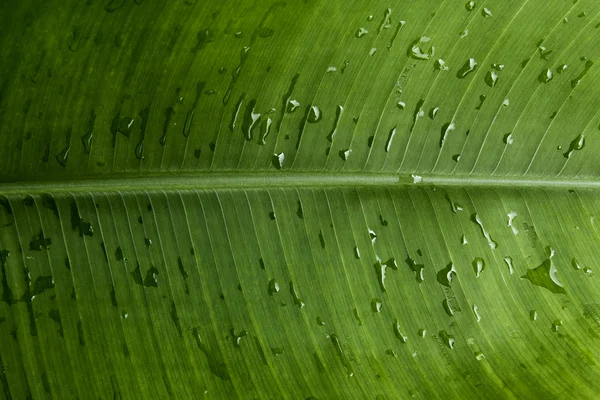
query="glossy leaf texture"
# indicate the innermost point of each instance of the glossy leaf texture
(299, 199)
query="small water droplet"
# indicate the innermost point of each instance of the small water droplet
(314, 114)
(546, 76)
(372, 235)
(372, 51)
(509, 262)
(376, 305)
(446, 129)
(273, 287)
(433, 112)
(398, 333)
(576, 144)
(555, 325)
(506, 103)
(533, 314)
(476, 219)
(464, 33)
(478, 266)
(401, 105)
(476, 312)
(445, 275)
(320, 322)
(344, 154)
(361, 32)
(295, 297)
(470, 5)
(440, 65)
(456, 158)
(467, 68)
(277, 160)
(544, 53)
(292, 106)
(388, 144)
(491, 78)
(418, 269)
(486, 12)
(447, 339)
(560, 69)
(417, 49)
(422, 332)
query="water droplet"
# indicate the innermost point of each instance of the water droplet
(338, 116)
(292, 106)
(455, 207)
(445, 276)
(506, 103)
(447, 339)
(486, 12)
(545, 276)
(456, 158)
(470, 5)
(498, 67)
(388, 144)
(464, 33)
(544, 53)
(440, 65)
(446, 129)
(576, 144)
(491, 78)
(398, 333)
(509, 262)
(322, 239)
(546, 76)
(320, 322)
(478, 266)
(380, 270)
(341, 353)
(555, 324)
(467, 68)
(433, 112)
(476, 219)
(372, 51)
(236, 338)
(401, 105)
(511, 217)
(422, 332)
(560, 69)
(372, 235)
(361, 32)
(476, 312)
(344, 154)
(314, 114)
(273, 287)
(391, 353)
(416, 50)
(533, 314)
(277, 160)
(295, 297)
(448, 308)
(376, 305)
(251, 120)
(418, 269)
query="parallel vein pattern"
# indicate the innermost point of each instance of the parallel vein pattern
(292, 293)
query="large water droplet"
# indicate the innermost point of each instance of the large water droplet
(273, 287)
(545, 276)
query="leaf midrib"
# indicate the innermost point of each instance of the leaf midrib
(246, 180)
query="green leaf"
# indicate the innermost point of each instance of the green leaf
(301, 199)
